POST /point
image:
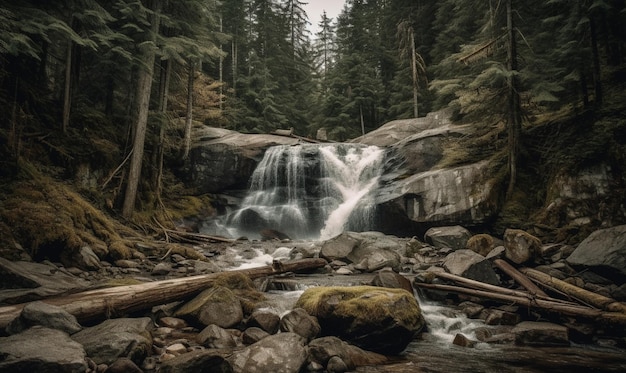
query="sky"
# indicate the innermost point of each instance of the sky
(315, 8)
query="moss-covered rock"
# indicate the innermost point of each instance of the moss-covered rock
(376, 319)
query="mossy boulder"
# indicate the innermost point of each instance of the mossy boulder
(376, 319)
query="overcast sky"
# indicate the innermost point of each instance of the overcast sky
(315, 8)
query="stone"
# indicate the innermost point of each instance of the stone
(172, 322)
(278, 353)
(468, 264)
(321, 350)
(336, 365)
(471, 309)
(376, 319)
(123, 365)
(521, 247)
(390, 279)
(126, 263)
(603, 252)
(44, 314)
(463, 341)
(41, 349)
(481, 244)
(500, 317)
(454, 237)
(533, 333)
(300, 322)
(369, 251)
(253, 335)
(266, 320)
(85, 259)
(176, 349)
(217, 305)
(161, 269)
(215, 337)
(205, 361)
(117, 338)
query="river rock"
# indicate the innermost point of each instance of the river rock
(123, 365)
(468, 264)
(454, 237)
(603, 252)
(300, 322)
(217, 305)
(41, 349)
(116, 338)
(278, 353)
(322, 350)
(376, 319)
(84, 259)
(253, 335)
(215, 337)
(266, 320)
(44, 314)
(390, 279)
(205, 361)
(481, 244)
(521, 247)
(533, 333)
(369, 251)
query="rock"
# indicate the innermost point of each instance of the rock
(532, 333)
(172, 322)
(468, 264)
(205, 361)
(253, 335)
(336, 365)
(521, 247)
(391, 279)
(40, 349)
(370, 252)
(215, 337)
(481, 244)
(413, 247)
(603, 252)
(30, 281)
(123, 365)
(266, 320)
(161, 269)
(278, 353)
(454, 237)
(300, 322)
(176, 349)
(117, 338)
(471, 309)
(217, 305)
(500, 317)
(463, 341)
(44, 314)
(376, 319)
(84, 259)
(126, 263)
(340, 247)
(321, 350)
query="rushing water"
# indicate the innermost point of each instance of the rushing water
(309, 192)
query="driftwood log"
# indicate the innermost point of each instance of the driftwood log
(519, 277)
(93, 305)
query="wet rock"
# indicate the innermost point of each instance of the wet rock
(532, 333)
(369, 251)
(468, 264)
(278, 353)
(215, 337)
(390, 279)
(454, 237)
(336, 365)
(463, 341)
(300, 322)
(521, 247)
(345, 271)
(217, 305)
(40, 349)
(266, 320)
(176, 348)
(161, 269)
(44, 314)
(126, 263)
(205, 361)
(172, 322)
(117, 338)
(500, 317)
(321, 350)
(123, 365)
(376, 319)
(471, 309)
(481, 244)
(253, 335)
(603, 252)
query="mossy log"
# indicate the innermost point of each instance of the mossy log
(585, 296)
(99, 304)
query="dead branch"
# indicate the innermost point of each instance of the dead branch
(519, 277)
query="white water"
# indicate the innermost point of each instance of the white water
(310, 191)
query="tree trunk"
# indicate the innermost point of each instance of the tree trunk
(164, 81)
(98, 304)
(189, 119)
(514, 110)
(67, 92)
(597, 77)
(144, 86)
(414, 71)
(519, 277)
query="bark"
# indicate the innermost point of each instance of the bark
(519, 277)
(94, 305)
(514, 110)
(576, 292)
(189, 119)
(67, 91)
(144, 86)
(414, 71)
(616, 318)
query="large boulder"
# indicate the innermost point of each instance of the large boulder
(369, 251)
(533, 333)
(116, 338)
(322, 350)
(205, 361)
(278, 353)
(468, 264)
(520, 246)
(454, 237)
(377, 319)
(222, 159)
(44, 314)
(603, 252)
(300, 322)
(217, 305)
(40, 349)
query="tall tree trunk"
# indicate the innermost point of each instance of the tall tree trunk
(189, 120)
(597, 82)
(514, 110)
(144, 86)
(164, 84)
(67, 91)
(221, 68)
(414, 71)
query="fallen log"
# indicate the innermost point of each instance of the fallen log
(519, 277)
(614, 318)
(93, 305)
(594, 299)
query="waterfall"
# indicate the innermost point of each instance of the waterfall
(311, 191)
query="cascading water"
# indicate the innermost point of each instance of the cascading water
(311, 191)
